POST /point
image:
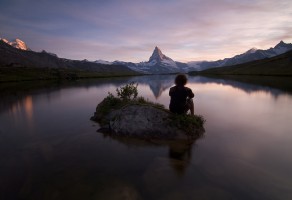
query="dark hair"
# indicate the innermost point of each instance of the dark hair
(181, 80)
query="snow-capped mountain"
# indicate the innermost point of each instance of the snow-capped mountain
(250, 55)
(158, 56)
(17, 43)
(103, 62)
(158, 63)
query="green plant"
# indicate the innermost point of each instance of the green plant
(126, 95)
(110, 102)
(128, 91)
(188, 122)
(141, 100)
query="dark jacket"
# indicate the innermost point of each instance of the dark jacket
(178, 99)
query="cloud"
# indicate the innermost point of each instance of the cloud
(129, 30)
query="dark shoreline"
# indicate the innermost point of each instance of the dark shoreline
(283, 83)
(19, 74)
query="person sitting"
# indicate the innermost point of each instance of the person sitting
(181, 97)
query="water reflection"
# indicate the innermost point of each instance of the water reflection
(25, 103)
(180, 155)
(272, 85)
(157, 83)
(11, 94)
(245, 153)
(179, 151)
(22, 109)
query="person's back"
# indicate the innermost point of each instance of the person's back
(180, 101)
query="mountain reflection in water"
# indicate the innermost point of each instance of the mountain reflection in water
(157, 84)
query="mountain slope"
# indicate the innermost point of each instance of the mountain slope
(13, 60)
(280, 65)
(250, 55)
(159, 63)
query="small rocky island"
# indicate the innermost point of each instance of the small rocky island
(129, 115)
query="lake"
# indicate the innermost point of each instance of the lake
(49, 148)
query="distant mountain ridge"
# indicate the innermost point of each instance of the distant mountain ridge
(158, 63)
(12, 58)
(250, 55)
(280, 65)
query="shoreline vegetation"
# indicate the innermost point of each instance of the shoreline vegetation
(18, 74)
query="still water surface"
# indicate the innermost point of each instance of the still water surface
(49, 149)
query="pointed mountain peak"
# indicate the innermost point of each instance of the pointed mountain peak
(282, 44)
(158, 56)
(157, 51)
(156, 48)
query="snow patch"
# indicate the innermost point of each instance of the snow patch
(17, 43)
(103, 62)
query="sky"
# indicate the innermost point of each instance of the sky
(129, 30)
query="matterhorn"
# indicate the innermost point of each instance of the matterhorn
(158, 56)
(159, 63)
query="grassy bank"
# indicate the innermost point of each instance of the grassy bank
(10, 74)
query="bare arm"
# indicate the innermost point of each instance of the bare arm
(190, 93)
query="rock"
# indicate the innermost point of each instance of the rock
(142, 120)
(147, 121)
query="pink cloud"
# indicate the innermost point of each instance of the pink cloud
(129, 30)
